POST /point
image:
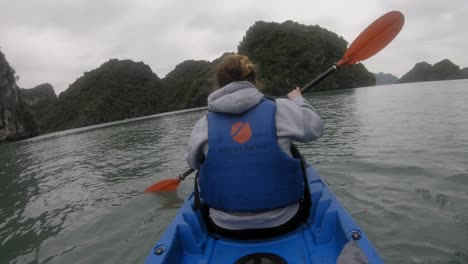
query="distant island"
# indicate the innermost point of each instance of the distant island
(121, 89)
(385, 78)
(424, 72)
(442, 70)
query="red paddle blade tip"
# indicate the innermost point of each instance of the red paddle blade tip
(374, 38)
(164, 186)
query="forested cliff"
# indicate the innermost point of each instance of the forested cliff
(290, 54)
(118, 89)
(286, 55)
(15, 121)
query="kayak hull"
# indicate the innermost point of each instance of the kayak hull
(322, 239)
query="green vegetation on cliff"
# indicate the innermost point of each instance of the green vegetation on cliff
(39, 95)
(286, 55)
(446, 70)
(290, 54)
(421, 72)
(188, 85)
(116, 90)
(38, 100)
(443, 70)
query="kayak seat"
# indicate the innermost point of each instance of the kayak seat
(261, 258)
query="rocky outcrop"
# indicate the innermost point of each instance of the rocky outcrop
(190, 83)
(385, 78)
(464, 73)
(43, 94)
(443, 70)
(421, 72)
(290, 54)
(118, 89)
(15, 121)
(39, 100)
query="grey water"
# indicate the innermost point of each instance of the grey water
(396, 156)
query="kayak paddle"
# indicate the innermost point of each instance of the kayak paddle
(168, 185)
(372, 40)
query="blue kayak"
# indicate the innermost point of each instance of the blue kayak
(330, 235)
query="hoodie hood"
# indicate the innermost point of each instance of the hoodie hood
(234, 98)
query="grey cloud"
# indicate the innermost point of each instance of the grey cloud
(433, 31)
(57, 40)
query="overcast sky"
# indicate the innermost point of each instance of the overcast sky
(56, 41)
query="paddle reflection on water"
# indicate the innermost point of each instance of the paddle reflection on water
(168, 200)
(352, 254)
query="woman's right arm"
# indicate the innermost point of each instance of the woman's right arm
(198, 144)
(296, 119)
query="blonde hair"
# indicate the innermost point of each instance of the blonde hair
(235, 68)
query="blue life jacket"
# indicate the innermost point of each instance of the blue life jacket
(245, 169)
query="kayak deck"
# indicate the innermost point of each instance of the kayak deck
(328, 230)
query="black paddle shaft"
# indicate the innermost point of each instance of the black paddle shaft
(322, 76)
(185, 174)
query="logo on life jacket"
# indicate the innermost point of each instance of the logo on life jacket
(241, 132)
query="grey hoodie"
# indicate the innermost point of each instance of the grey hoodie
(295, 120)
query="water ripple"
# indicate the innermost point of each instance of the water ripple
(397, 163)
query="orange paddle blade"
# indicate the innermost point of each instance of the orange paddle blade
(374, 38)
(164, 186)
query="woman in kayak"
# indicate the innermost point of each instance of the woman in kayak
(250, 184)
